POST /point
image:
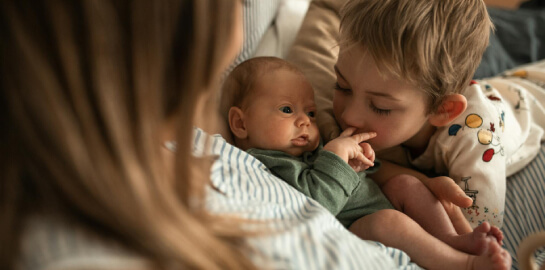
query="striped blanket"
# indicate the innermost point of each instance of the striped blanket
(525, 206)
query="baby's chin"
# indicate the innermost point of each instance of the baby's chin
(295, 152)
(298, 151)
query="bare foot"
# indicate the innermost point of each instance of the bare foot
(475, 242)
(494, 258)
(497, 233)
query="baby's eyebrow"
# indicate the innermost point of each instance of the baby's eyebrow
(339, 73)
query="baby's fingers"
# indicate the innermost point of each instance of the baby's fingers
(363, 159)
(361, 137)
(368, 151)
(348, 132)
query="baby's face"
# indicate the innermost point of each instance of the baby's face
(364, 99)
(281, 114)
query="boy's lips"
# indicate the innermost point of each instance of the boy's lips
(301, 140)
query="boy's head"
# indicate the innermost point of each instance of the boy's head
(269, 104)
(403, 63)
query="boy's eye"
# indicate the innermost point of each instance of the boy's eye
(378, 110)
(311, 114)
(286, 109)
(339, 88)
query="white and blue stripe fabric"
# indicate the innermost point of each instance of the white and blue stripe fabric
(307, 236)
(258, 16)
(302, 234)
(525, 207)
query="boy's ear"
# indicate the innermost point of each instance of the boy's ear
(451, 107)
(236, 123)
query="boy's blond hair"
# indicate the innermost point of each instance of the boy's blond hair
(435, 45)
(238, 86)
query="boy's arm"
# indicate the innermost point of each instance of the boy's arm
(482, 174)
(444, 188)
(451, 196)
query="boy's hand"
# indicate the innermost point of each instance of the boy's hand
(451, 196)
(446, 189)
(351, 148)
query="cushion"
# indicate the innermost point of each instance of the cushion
(258, 16)
(279, 37)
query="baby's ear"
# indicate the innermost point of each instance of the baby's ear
(236, 123)
(451, 107)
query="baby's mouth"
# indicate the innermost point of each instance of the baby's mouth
(301, 140)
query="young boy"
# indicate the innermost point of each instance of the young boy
(270, 108)
(404, 71)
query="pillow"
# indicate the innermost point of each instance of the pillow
(258, 16)
(280, 35)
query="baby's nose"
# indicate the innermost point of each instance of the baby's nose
(303, 120)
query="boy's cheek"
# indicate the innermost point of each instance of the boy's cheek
(338, 109)
(380, 143)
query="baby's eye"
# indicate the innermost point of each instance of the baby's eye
(286, 109)
(311, 114)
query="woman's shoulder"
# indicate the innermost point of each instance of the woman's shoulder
(49, 243)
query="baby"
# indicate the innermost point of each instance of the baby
(269, 106)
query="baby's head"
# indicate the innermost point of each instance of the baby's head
(269, 104)
(401, 60)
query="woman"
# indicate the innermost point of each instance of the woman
(90, 90)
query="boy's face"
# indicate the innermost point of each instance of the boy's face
(364, 99)
(281, 114)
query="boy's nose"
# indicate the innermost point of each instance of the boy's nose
(353, 116)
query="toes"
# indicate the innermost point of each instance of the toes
(494, 248)
(500, 258)
(497, 233)
(483, 228)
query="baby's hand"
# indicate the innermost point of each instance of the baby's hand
(368, 151)
(352, 149)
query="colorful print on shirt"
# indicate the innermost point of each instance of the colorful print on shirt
(474, 213)
(485, 135)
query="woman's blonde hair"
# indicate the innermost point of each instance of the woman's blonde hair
(85, 88)
(436, 45)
